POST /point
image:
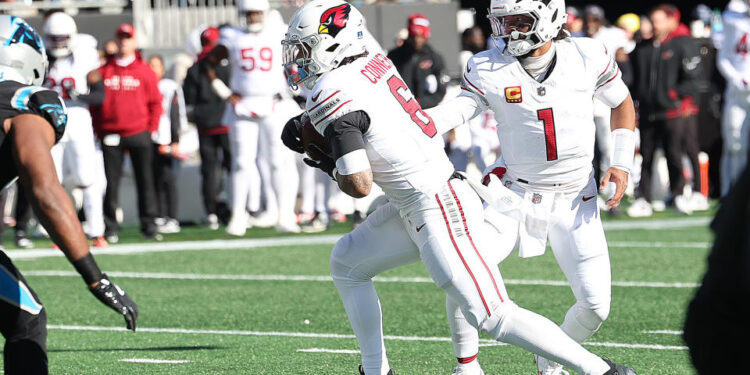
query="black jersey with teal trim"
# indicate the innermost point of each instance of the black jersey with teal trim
(17, 99)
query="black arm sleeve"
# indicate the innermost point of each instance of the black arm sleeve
(174, 118)
(345, 134)
(95, 95)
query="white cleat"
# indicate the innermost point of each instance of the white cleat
(546, 367)
(640, 208)
(212, 221)
(264, 220)
(682, 204)
(288, 227)
(237, 226)
(471, 368)
(699, 202)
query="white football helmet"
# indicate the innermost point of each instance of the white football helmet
(546, 18)
(59, 30)
(22, 55)
(321, 34)
(246, 6)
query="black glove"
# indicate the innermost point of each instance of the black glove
(113, 296)
(326, 163)
(292, 134)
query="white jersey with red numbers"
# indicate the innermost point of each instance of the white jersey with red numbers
(546, 129)
(256, 60)
(71, 71)
(405, 152)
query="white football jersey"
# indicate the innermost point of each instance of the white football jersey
(72, 71)
(546, 129)
(405, 152)
(256, 60)
(735, 49)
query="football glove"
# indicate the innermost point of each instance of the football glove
(113, 296)
(326, 163)
(292, 134)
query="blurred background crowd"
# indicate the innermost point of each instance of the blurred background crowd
(165, 143)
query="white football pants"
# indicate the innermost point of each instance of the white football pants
(276, 164)
(577, 239)
(735, 130)
(448, 233)
(76, 158)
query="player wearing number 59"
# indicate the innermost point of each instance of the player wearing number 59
(255, 95)
(540, 84)
(379, 134)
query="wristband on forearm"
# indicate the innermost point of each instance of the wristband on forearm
(88, 269)
(221, 89)
(624, 142)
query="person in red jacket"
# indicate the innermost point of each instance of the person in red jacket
(124, 121)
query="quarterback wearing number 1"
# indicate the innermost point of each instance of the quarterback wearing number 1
(379, 133)
(540, 83)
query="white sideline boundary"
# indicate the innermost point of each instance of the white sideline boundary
(663, 332)
(484, 342)
(276, 242)
(312, 278)
(149, 360)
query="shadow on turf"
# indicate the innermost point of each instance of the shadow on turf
(154, 349)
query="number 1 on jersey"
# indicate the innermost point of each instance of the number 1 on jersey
(548, 119)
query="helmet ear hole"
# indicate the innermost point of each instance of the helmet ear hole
(332, 47)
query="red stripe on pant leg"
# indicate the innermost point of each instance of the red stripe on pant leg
(448, 225)
(461, 210)
(466, 360)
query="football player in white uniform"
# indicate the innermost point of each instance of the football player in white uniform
(734, 64)
(540, 86)
(74, 61)
(256, 117)
(379, 133)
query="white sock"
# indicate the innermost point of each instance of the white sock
(541, 336)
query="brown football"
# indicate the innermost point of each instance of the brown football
(310, 136)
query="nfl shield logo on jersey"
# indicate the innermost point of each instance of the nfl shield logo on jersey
(541, 91)
(513, 94)
(536, 198)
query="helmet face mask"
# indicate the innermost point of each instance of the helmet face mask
(299, 66)
(59, 30)
(321, 34)
(526, 25)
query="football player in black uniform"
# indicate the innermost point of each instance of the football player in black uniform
(32, 120)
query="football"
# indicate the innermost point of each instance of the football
(310, 136)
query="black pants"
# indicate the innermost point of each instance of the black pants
(23, 323)
(691, 147)
(668, 134)
(166, 187)
(216, 155)
(141, 154)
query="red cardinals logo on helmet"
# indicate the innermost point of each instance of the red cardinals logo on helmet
(334, 19)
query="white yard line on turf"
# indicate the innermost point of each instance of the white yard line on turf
(663, 332)
(656, 224)
(160, 247)
(313, 278)
(149, 360)
(330, 351)
(483, 342)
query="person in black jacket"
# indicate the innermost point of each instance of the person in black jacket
(419, 65)
(717, 318)
(213, 135)
(666, 70)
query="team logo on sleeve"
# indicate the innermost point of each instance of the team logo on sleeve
(513, 94)
(334, 19)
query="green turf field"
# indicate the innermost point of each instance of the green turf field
(269, 307)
